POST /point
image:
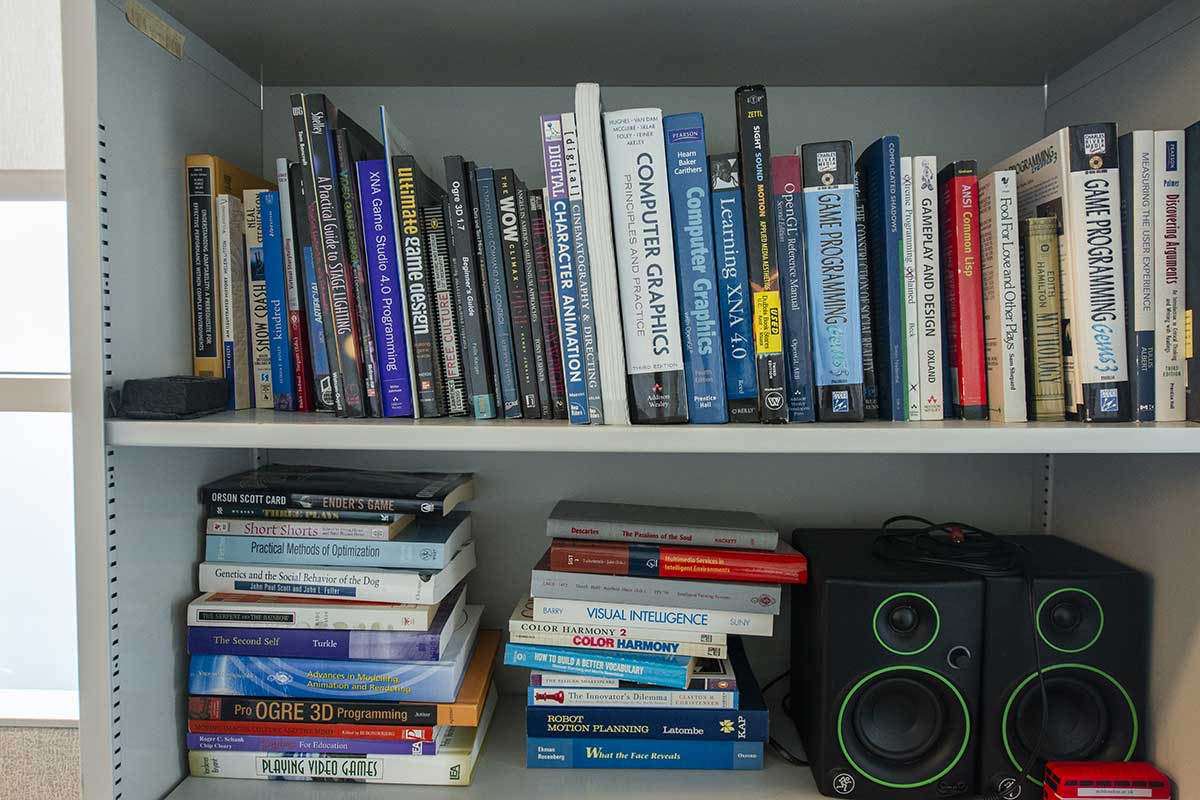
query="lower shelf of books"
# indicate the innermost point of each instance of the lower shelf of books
(501, 773)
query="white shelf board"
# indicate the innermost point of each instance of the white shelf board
(501, 774)
(282, 430)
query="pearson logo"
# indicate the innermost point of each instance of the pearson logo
(1172, 156)
(685, 135)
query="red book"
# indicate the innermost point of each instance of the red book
(958, 193)
(782, 565)
(316, 730)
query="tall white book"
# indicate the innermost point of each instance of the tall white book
(929, 278)
(912, 335)
(1170, 364)
(1003, 327)
(231, 274)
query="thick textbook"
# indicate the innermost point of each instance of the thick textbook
(1170, 273)
(831, 249)
(302, 529)
(929, 286)
(231, 257)
(782, 565)
(325, 745)
(519, 308)
(1073, 175)
(1136, 157)
(641, 214)
(959, 203)
(495, 277)
(687, 177)
(374, 585)
(412, 681)
(737, 328)
(1000, 273)
(642, 754)
(787, 202)
(453, 765)
(604, 636)
(437, 244)
(654, 617)
(1040, 288)
(645, 668)
(618, 522)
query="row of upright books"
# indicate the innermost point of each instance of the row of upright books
(652, 282)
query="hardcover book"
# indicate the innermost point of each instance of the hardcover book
(687, 178)
(544, 272)
(642, 754)
(1170, 274)
(497, 284)
(641, 213)
(379, 733)
(1040, 289)
(297, 341)
(484, 292)
(1191, 325)
(1073, 175)
(256, 301)
(519, 310)
(737, 329)
(959, 202)
(325, 745)
(310, 291)
(603, 636)
(1136, 156)
(1000, 273)
(754, 151)
(617, 522)
(280, 349)
(645, 668)
(787, 202)
(654, 617)
(454, 385)
(300, 529)
(231, 260)
(870, 387)
(929, 287)
(524, 227)
(783, 565)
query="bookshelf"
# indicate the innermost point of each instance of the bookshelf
(132, 112)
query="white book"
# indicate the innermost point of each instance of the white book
(929, 277)
(344, 583)
(1003, 325)
(627, 698)
(912, 334)
(231, 274)
(1170, 364)
(309, 529)
(660, 618)
(256, 289)
(1137, 217)
(452, 765)
(607, 636)
(235, 610)
(601, 254)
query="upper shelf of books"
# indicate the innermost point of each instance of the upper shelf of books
(627, 43)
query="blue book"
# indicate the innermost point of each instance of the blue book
(880, 181)
(737, 325)
(793, 286)
(325, 745)
(644, 668)
(497, 287)
(831, 249)
(387, 292)
(429, 543)
(408, 681)
(695, 265)
(282, 377)
(642, 754)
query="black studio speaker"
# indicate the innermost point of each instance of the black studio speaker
(1092, 635)
(885, 671)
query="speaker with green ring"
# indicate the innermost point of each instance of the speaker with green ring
(1091, 618)
(885, 671)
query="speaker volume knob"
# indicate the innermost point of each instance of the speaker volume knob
(959, 657)
(903, 619)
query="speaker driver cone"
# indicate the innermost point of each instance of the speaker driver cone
(906, 623)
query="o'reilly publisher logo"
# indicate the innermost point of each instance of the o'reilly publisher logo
(684, 135)
(1172, 156)
(1093, 144)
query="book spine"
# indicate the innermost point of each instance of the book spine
(518, 298)
(430, 397)
(523, 625)
(912, 337)
(257, 305)
(660, 561)
(832, 251)
(737, 329)
(366, 358)
(454, 387)
(754, 151)
(630, 643)
(257, 549)
(380, 733)
(1192, 277)
(558, 217)
(443, 769)
(300, 529)
(429, 504)
(1136, 157)
(866, 322)
(687, 181)
(929, 287)
(642, 754)
(337, 645)
(232, 276)
(630, 698)
(641, 212)
(314, 317)
(387, 293)
(202, 270)
(604, 530)
(497, 280)
(544, 270)
(1000, 275)
(748, 725)
(307, 616)
(421, 682)
(1042, 292)
(721, 594)
(654, 617)
(297, 340)
(325, 745)
(269, 710)
(582, 270)
(260, 511)
(670, 671)
(477, 358)
(331, 582)
(881, 183)
(1170, 375)
(534, 301)
(786, 193)
(484, 293)
(279, 348)
(959, 202)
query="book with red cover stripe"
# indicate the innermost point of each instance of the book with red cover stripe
(406, 733)
(782, 565)
(958, 194)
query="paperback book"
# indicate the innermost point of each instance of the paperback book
(496, 280)
(1170, 362)
(706, 674)
(310, 293)
(379, 733)
(959, 202)
(617, 522)
(782, 565)
(645, 668)
(929, 279)
(256, 300)
(1136, 158)
(325, 745)
(533, 296)
(1041, 291)
(654, 617)
(1000, 273)
(912, 338)
(787, 202)
(235, 347)
(302, 529)
(297, 341)
(642, 754)
(564, 697)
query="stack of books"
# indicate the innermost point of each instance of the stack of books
(334, 640)
(632, 636)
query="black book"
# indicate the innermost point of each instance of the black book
(1191, 276)
(464, 258)
(310, 296)
(518, 296)
(433, 222)
(259, 511)
(870, 388)
(481, 273)
(535, 301)
(338, 489)
(545, 282)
